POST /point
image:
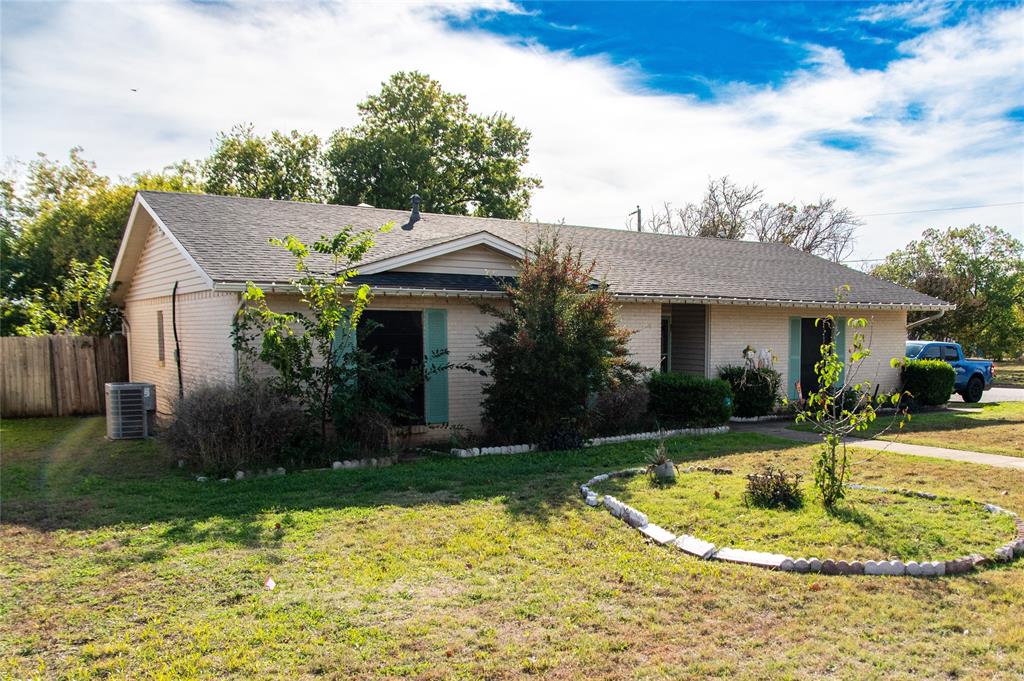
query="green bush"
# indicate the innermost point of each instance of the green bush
(929, 381)
(621, 410)
(557, 341)
(679, 400)
(756, 391)
(774, 488)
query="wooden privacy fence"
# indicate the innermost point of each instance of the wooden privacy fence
(59, 375)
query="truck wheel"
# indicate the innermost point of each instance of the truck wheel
(975, 387)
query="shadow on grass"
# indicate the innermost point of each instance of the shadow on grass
(77, 492)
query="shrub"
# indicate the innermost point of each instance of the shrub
(690, 401)
(929, 381)
(622, 409)
(773, 488)
(756, 391)
(221, 428)
(555, 343)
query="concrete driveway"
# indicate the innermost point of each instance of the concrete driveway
(996, 395)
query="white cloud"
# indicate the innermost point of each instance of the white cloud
(914, 13)
(602, 143)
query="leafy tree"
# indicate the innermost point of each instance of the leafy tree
(78, 305)
(282, 166)
(731, 211)
(413, 137)
(981, 270)
(554, 344)
(62, 213)
(305, 348)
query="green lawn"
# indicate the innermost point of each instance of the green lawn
(1010, 374)
(115, 564)
(997, 428)
(873, 526)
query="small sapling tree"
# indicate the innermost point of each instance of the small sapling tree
(842, 405)
(306, 349)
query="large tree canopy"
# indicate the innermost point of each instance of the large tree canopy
(981, 270)
(413, 137)
(282, 166)
(732, 211)
(61, 213)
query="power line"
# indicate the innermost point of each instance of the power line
(940, 210)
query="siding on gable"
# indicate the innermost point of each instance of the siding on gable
(732, 327)
(204, 321)
(159, 266)
(473, 260)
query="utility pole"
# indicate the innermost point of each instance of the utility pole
(639, 220)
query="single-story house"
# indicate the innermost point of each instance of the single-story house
(694, 304)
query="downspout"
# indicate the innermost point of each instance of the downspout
(234, 329)
(177, 346)
(919, 322)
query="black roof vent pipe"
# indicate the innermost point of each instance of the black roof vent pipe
(415, 216)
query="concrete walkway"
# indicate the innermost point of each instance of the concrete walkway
(779, 429)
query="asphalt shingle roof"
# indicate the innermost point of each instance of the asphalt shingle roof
(228, 238)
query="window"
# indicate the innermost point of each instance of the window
(930, 352)
(399, 335)
(160, 336)
(914, 349)
(950, 354)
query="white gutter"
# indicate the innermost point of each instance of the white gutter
(932, 318)
(274, 287)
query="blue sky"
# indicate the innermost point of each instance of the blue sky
(699, 48)
(892, 107)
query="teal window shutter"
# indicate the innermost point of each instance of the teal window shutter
(344, 344)
(794, 355)
(435, 347)
(840, 339)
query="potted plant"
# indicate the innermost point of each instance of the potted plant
(661, 467)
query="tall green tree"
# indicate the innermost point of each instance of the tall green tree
(414, 137)
(57, 213)
(981, 270)
(78, 305)
(282, 166)
(555, 343)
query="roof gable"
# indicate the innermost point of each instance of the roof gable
(144, 234)
(427, 258)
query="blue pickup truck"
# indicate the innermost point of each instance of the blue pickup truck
(973, 376)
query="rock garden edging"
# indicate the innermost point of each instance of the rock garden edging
(593, 442)
(705, 550)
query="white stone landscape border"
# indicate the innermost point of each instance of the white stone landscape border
(705, 550)
(348, 465)
(594, 442)
(759, 419)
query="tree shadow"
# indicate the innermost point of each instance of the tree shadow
(539, 486)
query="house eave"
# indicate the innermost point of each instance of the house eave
(767, 302)
(287, 288)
